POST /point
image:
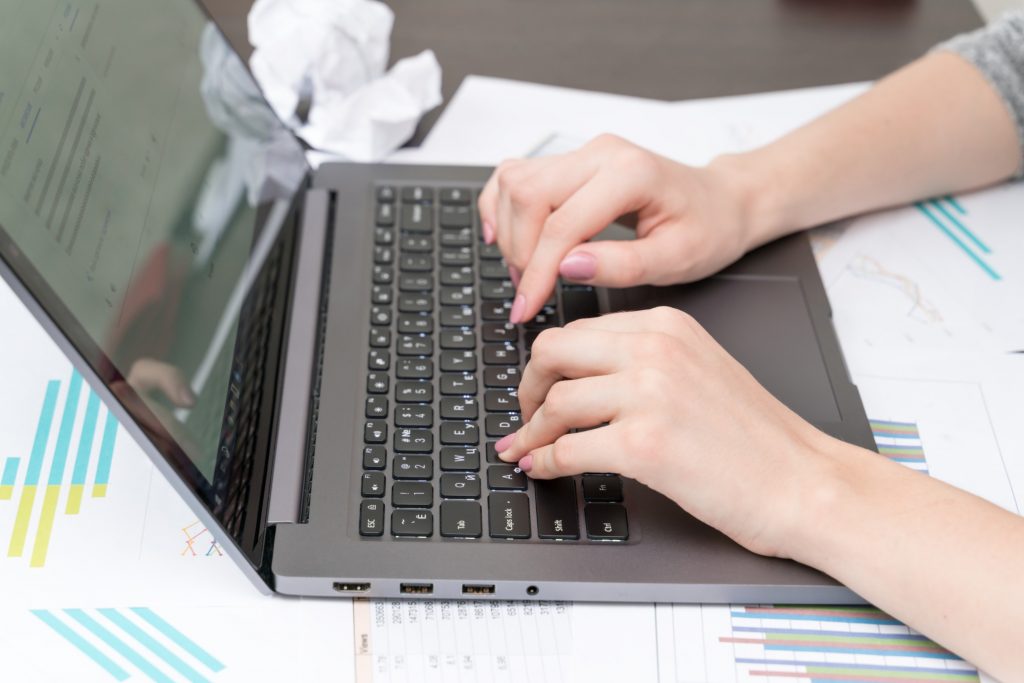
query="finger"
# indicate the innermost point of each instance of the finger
(487, 202)
(535, 191)
(623, 263)
(664, 319)
(148, 374)
(561, 353)
(569, 404)
(595, 205)
(595, 450)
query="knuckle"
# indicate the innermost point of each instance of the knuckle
(561, 455)
(607, 140)
(635, 438)
(557, 401)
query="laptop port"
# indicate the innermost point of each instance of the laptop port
(350, 587)
(417, 588)
(477, 589)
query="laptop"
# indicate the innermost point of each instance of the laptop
(320, 361)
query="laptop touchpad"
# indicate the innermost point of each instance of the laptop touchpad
(764, 323)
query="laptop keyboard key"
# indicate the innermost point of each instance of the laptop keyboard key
(381, 295)
(375, 431)
(374, 457)
(606, 522)
(499, 401)
(506, 478)
(458, 385)
(497, 289)
(413, 467)
(455, 217)
(377, 383)
(386, 193)
(458, 408)
(462, 256)
(376, 406)
(413, 441)
(371, 518)
(459, 434)
(414, 416)
(415, 303)
(383, 256)
(495, 311)
(501, 377)
(458, 196)
(456, 296)
(416, 244)
(380, 337)
(414, 392)
(417, 194)
(461, 485)
(415, 263)
(412, 494)
(500, 354)
(380, 315)
(457, 276)
(500, 332)
(415, 523)
(508, 515)
(460, 458)
(461, 519)
(461, 340)
(502, 425)
(383, 275)
(456, 238)
(409, 323)
(557, 516)
(416, 218)
(493, 270)
(414, 368)
(490, 252)
(414, 345)
(492, 453)
(416, 282)
(373, 485)
(458, 361)
(378, 359)
(457, 316)
(602, 488)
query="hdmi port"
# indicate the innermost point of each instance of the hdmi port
(417, 588)
(477, 589)
(347, 587)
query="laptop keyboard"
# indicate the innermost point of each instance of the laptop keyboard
(443, 368)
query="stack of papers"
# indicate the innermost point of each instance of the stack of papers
(109, 576)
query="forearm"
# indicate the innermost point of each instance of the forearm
(942, 560)
(933, 127)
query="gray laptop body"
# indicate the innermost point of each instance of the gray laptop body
(213, 259)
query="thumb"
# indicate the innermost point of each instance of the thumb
(618, 263)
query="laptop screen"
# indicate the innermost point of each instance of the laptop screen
(144, 192)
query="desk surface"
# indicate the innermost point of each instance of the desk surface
(665, 49)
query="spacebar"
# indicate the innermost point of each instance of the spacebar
(557, 516)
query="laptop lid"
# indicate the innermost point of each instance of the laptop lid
(147, 201)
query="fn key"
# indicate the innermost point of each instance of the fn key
(606, 522)
(557, 516)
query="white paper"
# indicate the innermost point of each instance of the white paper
(334, 53)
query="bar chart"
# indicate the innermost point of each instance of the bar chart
(51, 451)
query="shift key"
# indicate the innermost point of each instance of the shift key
(509, 515)
(557, 514)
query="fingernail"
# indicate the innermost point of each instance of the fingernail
(526, 463)
(579, 265)
(513, 274)
(517, 309)
(488, 233)
(502, 444)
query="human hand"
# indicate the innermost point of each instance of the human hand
(690, 221)
(679, 414)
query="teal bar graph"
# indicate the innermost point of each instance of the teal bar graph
(99, 488)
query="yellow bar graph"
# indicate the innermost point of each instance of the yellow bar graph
(28, 499)
(74, 500)
(6, 492)
(99, 491)
(42, 543)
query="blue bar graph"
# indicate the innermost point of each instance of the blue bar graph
(10, 472)
(939, 215)
(118, 645)
(179, 638)
(150, 643)
(99, 488)
(67, 421)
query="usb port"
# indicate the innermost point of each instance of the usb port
(417, 588)
(477, 589)
(349, 587)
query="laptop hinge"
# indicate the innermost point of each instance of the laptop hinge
(289, 468)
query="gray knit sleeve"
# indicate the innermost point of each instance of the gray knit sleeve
(998, 52)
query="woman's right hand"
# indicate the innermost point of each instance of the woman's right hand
(691, 222)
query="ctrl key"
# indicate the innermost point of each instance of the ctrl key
(371, 518)
(509, 515)
(606, 522)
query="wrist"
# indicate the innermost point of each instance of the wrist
(748, 184)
